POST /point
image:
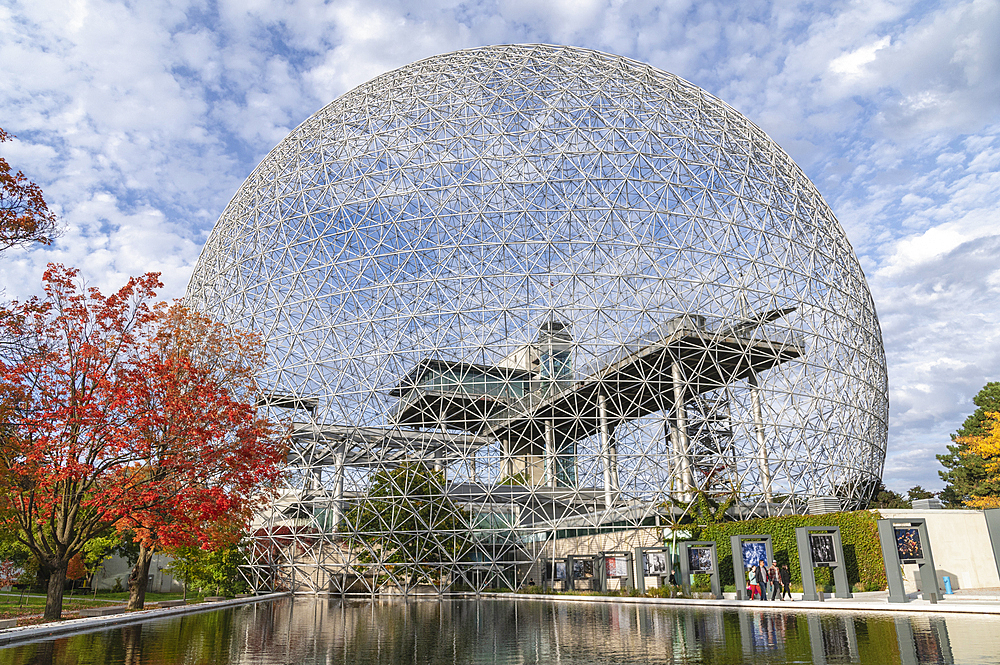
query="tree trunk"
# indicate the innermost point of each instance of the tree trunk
(54, 595)
(132, 637)
(137, 579)
(44, 652)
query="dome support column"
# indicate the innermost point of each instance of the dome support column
(508, 461)
(680, 422)
(550, 455)
(609, 484)
(338, 484)
(758, 425)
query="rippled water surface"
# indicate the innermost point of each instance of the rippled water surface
(308, 630)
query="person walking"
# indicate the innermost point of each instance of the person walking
(762, 579)
(774, 579)
(786, 580)
(752, 587)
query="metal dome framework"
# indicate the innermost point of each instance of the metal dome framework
(519, 291)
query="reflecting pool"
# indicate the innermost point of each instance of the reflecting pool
(318, 630)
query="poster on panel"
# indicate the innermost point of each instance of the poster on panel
(656, 563)
(754, 552)
(908, 544)
(616, 566)
(821, 547)
(700, 560)
(621, 566)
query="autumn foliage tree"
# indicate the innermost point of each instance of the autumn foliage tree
(205, 455)
(987, 448)
(65, 438)
(965, 473)
(114, 417)
(75, 569)
(25, 218)
(10, 573)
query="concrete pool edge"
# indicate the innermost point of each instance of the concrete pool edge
(42, 631)
(836, 605)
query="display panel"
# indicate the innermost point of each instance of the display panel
(560, 570)
(700, 560)
(583, 569)
(821, 547)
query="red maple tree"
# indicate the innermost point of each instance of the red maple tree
(118, 414)
(65, 439)
(75, 568)
(206, 455)
(25, 218)
(10, 573)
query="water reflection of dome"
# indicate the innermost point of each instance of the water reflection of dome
(574, 285)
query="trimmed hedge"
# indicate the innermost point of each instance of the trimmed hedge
(858, 532)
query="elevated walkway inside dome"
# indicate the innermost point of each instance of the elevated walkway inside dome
(448, 410)
(680, 360)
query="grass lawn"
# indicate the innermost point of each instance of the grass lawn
(12, 604)
(151, 597)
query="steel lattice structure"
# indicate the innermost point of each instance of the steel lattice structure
(514, 290)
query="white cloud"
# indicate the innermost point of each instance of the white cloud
(851, 64)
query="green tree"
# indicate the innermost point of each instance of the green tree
(703, 512)
(215, 570)
(16, 560)
(918, 492)
(965, 475)
(407, 518)
(886, 498)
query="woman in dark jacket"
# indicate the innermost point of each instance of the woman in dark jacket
(786, 578)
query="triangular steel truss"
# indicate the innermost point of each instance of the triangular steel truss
(515, 292)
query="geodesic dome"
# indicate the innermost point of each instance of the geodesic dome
(515, 292)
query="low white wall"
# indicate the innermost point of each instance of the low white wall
(625, 540)
(960, 545)
(117, 568)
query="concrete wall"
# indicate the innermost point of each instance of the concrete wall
(604, 542)
(960, 545)
(117, 568)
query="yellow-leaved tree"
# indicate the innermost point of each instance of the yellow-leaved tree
(987, 447)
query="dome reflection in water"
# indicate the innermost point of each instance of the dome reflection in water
(501, 631)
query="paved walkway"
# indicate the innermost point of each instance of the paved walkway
(42, 631)
(874, 601)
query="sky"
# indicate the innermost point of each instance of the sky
(141, 119)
